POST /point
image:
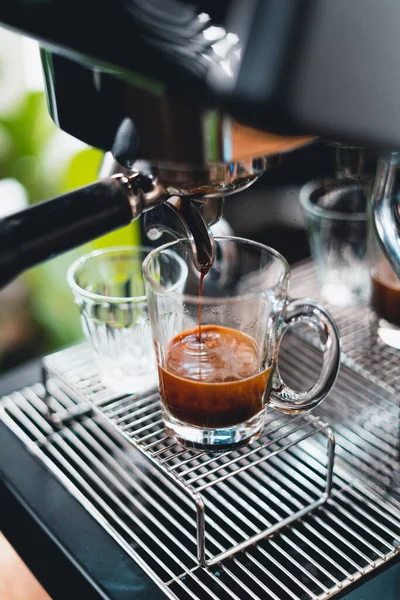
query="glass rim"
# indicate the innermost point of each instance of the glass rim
(318, 211)
(161, 290)
(83, 260)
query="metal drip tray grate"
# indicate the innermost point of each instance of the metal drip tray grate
(144, 496)
(233, 507)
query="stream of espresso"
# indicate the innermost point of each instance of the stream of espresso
(202, 275)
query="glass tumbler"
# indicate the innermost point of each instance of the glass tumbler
(217, 353)
(108, 288)
(336, 217)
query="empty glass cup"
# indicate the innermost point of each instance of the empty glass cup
(335, 213)
(108, 288)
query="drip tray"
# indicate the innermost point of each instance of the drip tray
(233, 506)
(147, 492)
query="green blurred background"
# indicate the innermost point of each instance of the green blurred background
(37, 162)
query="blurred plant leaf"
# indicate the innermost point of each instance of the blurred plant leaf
(28, 131)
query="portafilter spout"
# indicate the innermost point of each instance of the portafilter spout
(182, 217)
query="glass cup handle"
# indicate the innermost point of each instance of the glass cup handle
(309, 312)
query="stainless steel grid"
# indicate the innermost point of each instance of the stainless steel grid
(231, 477)
(355, 532)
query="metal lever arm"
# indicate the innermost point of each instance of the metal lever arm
(385, 210)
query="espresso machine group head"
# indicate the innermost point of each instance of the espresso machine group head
(193, 101)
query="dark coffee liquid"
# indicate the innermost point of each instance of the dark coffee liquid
(202, 240)
(385, 298)
(202, 275)
(214, 381)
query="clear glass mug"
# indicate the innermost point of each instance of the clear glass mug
(216, 383)
(335, 213)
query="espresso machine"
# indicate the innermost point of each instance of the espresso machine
(191, 102)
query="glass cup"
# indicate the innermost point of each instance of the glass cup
(108, 288)
(336, 217)
(216, 381)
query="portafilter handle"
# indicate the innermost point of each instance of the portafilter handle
(33, 235)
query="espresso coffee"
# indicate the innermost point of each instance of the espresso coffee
(213, 380)
(385, 299)
(199, 304)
